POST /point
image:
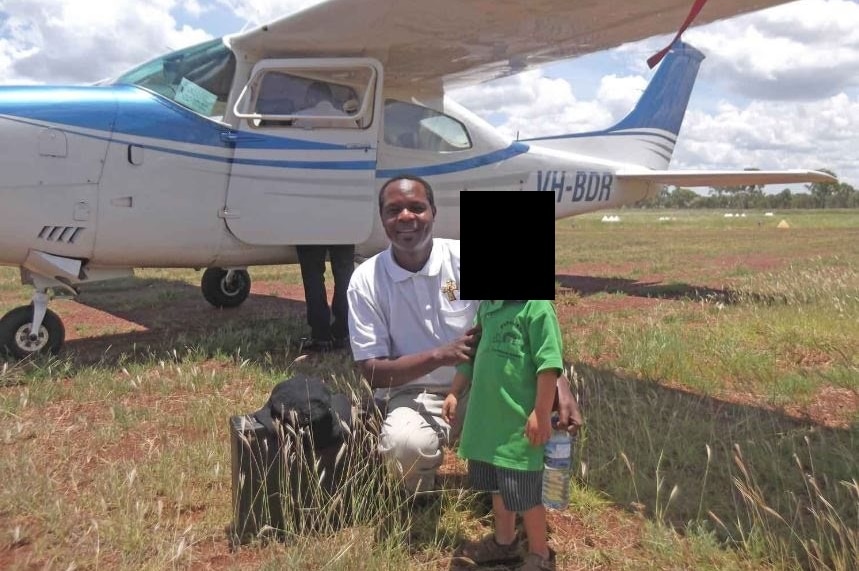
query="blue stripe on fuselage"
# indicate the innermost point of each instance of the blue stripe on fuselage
(330, 165)
(494, 157)
(94, 108)
(606, 133)
(135, 112)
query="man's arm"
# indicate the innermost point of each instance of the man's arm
(384, 372)
(545, 326)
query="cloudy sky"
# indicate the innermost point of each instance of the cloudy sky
(779, 89)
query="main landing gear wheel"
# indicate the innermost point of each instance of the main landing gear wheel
(225, 288)
(16, 335)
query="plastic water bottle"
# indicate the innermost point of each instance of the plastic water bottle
(557, 468)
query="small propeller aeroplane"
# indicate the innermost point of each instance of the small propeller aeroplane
(226, 154)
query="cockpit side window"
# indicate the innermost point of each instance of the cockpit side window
(412, 126)
(198, 77)
(312, 98)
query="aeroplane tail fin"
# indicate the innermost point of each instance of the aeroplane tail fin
(646, 136)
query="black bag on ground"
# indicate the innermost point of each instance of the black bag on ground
(289, 460)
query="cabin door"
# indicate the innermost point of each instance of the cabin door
(304, 168)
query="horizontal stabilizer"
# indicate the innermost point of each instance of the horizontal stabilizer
(690, 178)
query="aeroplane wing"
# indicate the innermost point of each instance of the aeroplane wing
(430, 45)
(692, 178)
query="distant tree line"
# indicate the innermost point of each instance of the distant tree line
(820, 195)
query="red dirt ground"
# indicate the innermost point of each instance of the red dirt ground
(619, 531)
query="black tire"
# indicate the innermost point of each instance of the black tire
(15, 333)
(221, 293)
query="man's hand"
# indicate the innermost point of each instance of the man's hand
(384, 372)
(448, 408)
(569, 414)
(461, 349)
(475, 332)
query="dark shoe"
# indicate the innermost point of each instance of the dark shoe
(487, 551)
(315, 346)
(341, 343)
(534, 562)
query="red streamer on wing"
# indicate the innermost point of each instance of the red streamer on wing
(657, 57)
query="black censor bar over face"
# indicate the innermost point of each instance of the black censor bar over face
(507, 244)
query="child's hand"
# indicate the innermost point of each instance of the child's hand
(448, 408)
(539, 428)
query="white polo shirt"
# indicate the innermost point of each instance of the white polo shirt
(395, 312)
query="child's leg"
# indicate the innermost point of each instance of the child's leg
(535, 528)
(522, 492)
(505, 521)
(502, 546)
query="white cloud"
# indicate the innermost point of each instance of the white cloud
(193, 8)
(79, 41)
(799, 51)
(10, 52)
(532, 104)
(620, 94)
(775, 135)
(262, 11)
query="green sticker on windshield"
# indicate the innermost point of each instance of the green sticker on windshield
(195, 97)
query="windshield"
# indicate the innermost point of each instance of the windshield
(198, 77)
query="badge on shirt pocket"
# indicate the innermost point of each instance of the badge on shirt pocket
(449, 289)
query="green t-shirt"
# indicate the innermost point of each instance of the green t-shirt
(518, 340)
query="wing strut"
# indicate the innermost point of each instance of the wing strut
(657, 57)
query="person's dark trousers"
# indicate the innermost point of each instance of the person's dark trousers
(312, 262)
(342, 265)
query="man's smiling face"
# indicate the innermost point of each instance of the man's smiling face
(407, 216)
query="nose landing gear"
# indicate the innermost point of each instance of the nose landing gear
(32, 329)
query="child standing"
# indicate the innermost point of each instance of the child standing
(513, 378)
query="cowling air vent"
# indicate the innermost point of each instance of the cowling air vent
(64, 234)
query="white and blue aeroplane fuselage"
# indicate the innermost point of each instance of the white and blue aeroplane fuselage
(199, 160)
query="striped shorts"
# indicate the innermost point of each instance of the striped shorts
(520, 490)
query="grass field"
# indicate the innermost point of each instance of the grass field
(716, 359)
